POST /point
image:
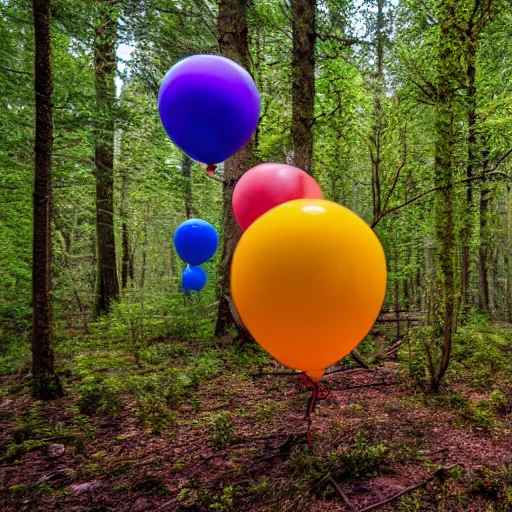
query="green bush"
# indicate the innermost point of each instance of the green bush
(479, 350)
(223, 431)
(16, 451)
(98, 397)
(363, 459)
(498, 401)
(154, 413)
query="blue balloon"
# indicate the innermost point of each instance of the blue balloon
(193, 279)
(209, 106)
(196, 241)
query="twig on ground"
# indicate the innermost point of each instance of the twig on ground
(373, 385)
(351, 369)
(357, 358)
(287, 374)
(409, 489)
(341, 493)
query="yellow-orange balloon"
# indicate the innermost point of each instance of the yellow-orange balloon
(308, 279)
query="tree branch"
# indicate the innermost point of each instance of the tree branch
(397, 175)
(482, 176)
(10, 70)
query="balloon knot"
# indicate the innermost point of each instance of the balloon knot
(211, 169)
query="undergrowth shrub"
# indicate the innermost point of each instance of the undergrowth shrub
(494, 485)
(479, 350)
(362, 459)
(99, 396)
(222, 431)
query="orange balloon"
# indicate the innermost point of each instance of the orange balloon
(308, 279)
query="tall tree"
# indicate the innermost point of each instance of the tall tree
(375, 145)
(481, 14)
(447, 69)
(45, 382)
(105, 72)
(303, 82)
(126, 267)
(232, 33)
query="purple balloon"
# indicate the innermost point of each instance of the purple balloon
(209, 106)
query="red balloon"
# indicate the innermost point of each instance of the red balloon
(268, 185)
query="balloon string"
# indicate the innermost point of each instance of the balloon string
(318, 393)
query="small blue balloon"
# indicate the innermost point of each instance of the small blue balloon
(193, 279)
(196, 241)
(209, 106)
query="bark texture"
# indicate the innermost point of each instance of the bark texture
(375, 144)
(45, 382)
(105, 71)
(445, 232)
(303, 82)
(232, 31)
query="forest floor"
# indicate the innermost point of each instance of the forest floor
(200, 425)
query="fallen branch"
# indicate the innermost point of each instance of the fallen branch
(341, 493)
(439, 472)
(351, 369)
(357, 358)
(266, 437)
(394, 348)
(288, 374)
(373, 385)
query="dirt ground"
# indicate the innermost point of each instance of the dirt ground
(238, 442)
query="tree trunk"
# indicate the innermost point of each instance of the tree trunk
(379, 91)
(186, 167)
(105, 72)
(123, 213)
(232, 29)
(445, 233)
(45, 383)
(467, 229)
(483, 250)
(508, 296)
(303, 82)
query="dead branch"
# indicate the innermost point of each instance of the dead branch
(439, 473)
(373, 385)
(341, 493)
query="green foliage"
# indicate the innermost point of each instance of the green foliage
(480, 351)
(99, 396)
(494, 485)
(16, 451)
(266, 410)
(222, 431)
(498, 401)
(21, 493)
(363, 459)
(423, 354)
(360, 460)
(224, 502)
(154, 413)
